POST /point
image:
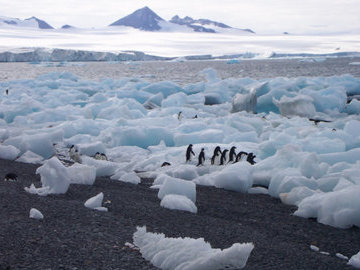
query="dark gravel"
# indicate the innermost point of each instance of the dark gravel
(73, 237)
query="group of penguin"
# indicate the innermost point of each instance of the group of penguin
(220, 157)
(75, 156)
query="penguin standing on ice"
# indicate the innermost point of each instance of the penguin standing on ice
(250, 158)
(76, 156)
(201, 157)
(72, 151)
(223, 157)
(180, 116)
(217, 152)
(97, 156)
(232, 154)
(189, 152)
(239, 156)
(103, 156)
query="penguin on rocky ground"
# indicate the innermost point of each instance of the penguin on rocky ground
(232, 154)
(239, 156)
(12, 177)
(201, 157)
(217, 152)
(223, 157)
(189, 152)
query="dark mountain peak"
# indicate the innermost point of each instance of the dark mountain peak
(67, 26)
(42, 24)
(143, 19)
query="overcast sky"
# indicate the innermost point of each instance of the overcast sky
(262, 16)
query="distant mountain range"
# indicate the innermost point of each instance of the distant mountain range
(143, 19)
(147, 20)
(30, 22)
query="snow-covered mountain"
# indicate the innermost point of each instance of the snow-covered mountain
(147, 20)
(143, 19)
(30, 22)
(203, 25)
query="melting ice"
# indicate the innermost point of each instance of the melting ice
(303, 131)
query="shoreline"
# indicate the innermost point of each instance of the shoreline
(74, 237)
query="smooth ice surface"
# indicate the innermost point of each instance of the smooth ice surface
(188, 253)
(36, 214)
(178, 202)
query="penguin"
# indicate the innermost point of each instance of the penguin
(180, 116)
(195, 116)
(12, 177)
(103, 156)
(217, 151)
(232, 154)
(189, 152)
(165, 164)
(223, 157)
(97, 156)
(76, 156)
(239, 156)
(201, 157)
(72, 152)
(250, 158)
(7, 91)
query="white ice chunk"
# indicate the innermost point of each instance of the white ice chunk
(244, 102)
(339, 208)
(82, 174)
(355, 260)
(30, 157)
(9, 152)
(36, 214)
(128, 177)
(188, 253)
(55, 178)
(237, 177)
(95, 202)
(177, 186)
(299, 105)
(178, 202)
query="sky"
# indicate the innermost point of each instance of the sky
(262, 16)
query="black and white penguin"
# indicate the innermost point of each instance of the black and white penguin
(72, 151)
(201, 157)
(232, 154)
(217, 152)
(240, 155)
(223, 157)
(7, 91)
(165, 164)
(103, 156)
(97, 156)
(12, 177)
(76, 156)
(189, 152)
(180, 116)
(250, 158)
